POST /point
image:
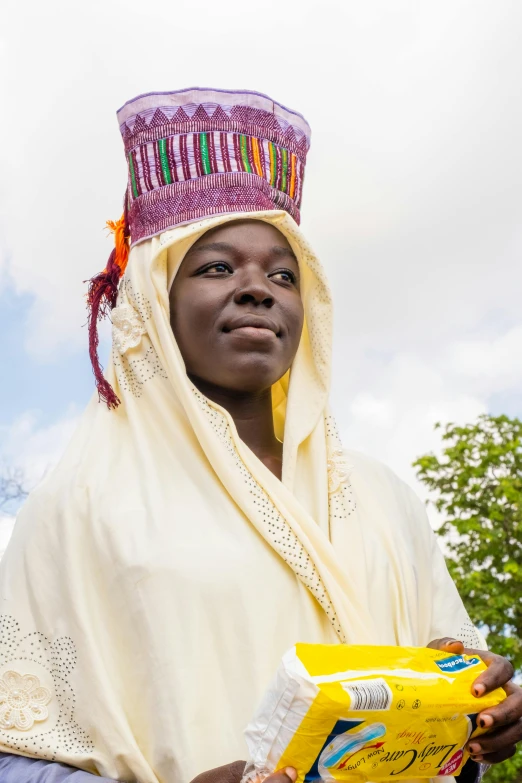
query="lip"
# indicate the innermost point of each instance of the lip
(250, 323)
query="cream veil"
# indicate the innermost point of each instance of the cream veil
(157, 576)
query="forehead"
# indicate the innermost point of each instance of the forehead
(244, 235)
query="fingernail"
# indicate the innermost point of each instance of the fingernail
(477, 758)
(479, 690)
(485, 721)
(291, 773)
(475, 748)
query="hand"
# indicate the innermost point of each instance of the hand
(232, 773)
(506, 718)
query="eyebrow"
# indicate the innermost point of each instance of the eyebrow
(225, 247)
(283, 252)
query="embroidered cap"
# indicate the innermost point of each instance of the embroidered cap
(192, 154)
(200, 152)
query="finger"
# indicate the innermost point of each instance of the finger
(496, 758)
(287, 775)
(498, 673)
(497, 741)
(447, 644)
(508, 711)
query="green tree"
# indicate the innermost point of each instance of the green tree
(476, 487)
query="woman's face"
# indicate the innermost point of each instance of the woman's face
(236, 309)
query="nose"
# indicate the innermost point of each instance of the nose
(253, 289)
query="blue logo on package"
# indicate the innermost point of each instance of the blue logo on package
(456, 663)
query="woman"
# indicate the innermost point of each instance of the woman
(208, 518)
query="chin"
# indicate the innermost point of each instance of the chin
(251, 384)
(252, 376)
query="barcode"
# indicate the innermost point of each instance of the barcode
(368, 694)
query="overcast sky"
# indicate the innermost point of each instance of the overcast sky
(412, 196)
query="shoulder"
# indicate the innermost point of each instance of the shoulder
(369, 477)
(360, 465)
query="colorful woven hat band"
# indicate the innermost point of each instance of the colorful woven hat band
(192, 154)
(197, 153)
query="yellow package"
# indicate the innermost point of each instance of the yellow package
(341, 712)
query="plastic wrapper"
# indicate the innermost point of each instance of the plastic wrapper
(354, 713)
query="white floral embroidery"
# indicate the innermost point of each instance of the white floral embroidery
(337, 470)
(127, 327)
(22, 701)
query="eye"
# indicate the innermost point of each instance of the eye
(285, 276)
(217, 268)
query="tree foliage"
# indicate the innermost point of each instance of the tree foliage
(476, 487)
(478, 491)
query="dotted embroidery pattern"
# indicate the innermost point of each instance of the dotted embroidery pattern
(133, 373)
(138, 301)
(59, 659)
(469, 636)
(277, 530)
(342, 502)
(135, 369)
(273, 524)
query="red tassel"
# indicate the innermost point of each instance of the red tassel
(101, 298)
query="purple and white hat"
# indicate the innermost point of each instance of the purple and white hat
(200, 152)
(193, 154)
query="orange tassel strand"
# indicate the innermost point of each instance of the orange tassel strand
(121, 242)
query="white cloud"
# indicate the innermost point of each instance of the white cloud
(35, 448)
(373, 411)
(32, 449)
(493, 364)
(394, 404)
(413, 178)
